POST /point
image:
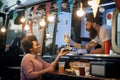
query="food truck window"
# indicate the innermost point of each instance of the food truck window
(13, 32)
(13, 38)
(16, 33)
(55, 33)
(49, 39)
(116, 31)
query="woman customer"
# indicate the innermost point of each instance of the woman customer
(32, 65)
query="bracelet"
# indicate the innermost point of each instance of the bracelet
(71, 42)
(82, 46)
(88, 50)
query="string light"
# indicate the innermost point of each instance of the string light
(22, 19)
(3, 29)
(51, 18)
(91, 2)
(80, 12)
(42, 22)
(27, 27)
(101, 9)
(64, 5)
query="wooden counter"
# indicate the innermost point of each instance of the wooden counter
(65, 76)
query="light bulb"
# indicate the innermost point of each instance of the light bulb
(80, 12)
(42, 22)
(22, 19)
(3, 29)
(64, 5)
(27, 27)
(102, 9)
(51, 18)
(91, 2)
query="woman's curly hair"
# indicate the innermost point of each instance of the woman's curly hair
(27, 43)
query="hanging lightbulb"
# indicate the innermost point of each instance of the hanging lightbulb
(42, 22)
(27, 27)
(22, 19)
(3, 29)
(51, 18)
(55, 6)
(80, 12)
(91, 2)
(102, 9)
(64, 5)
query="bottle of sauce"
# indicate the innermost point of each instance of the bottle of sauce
(107, 46)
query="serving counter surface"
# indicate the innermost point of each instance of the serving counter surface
(64, 76)
(100, 64)
(95, 57)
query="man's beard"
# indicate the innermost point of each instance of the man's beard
(92, 32)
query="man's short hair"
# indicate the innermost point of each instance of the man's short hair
(97, 19)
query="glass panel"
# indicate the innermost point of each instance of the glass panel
(1, 21)
(63, 27)
(49, 39)
(13, 38)
(118, 30)
(13, 32)
(115, 31)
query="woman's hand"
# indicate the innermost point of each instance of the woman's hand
(63, 52)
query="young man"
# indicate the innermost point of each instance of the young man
(99, 35)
